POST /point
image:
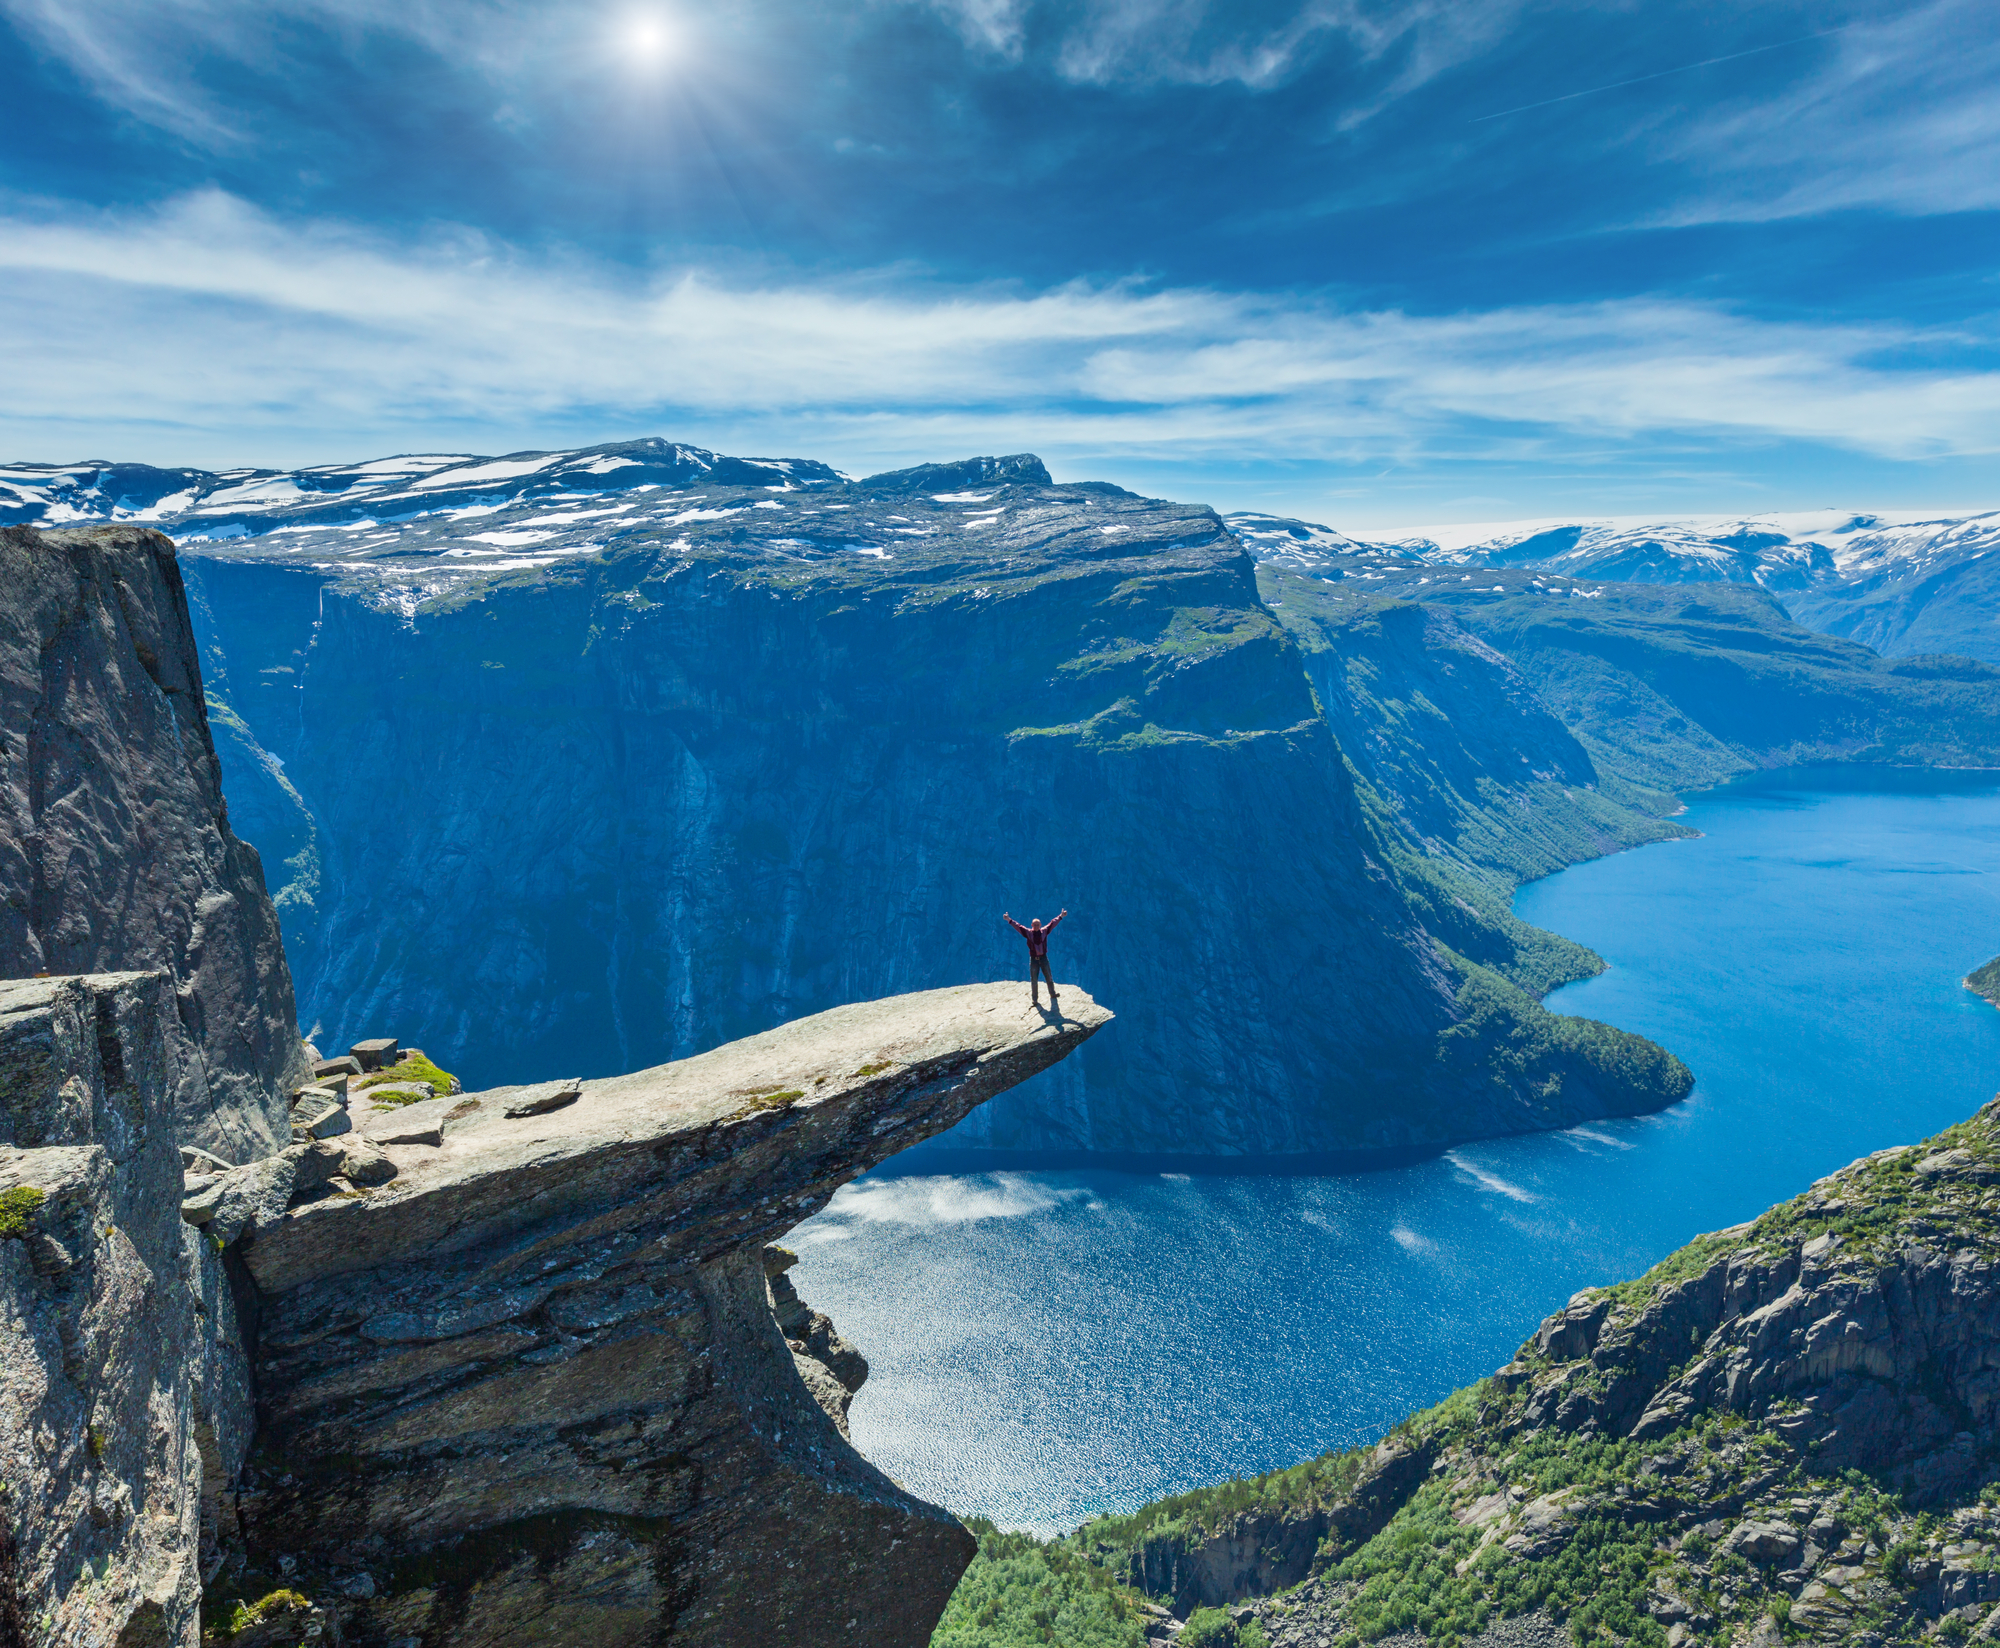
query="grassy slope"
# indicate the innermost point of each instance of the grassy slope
(1432, 1569)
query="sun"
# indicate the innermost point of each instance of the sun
(647, 38)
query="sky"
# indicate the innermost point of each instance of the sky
(1374, 264)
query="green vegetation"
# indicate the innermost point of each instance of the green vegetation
(873, 1069)
(1986, 981)
(776, 1099)
(1023, 1593)
(1193, 1515)
(410, 1068)
(1506, 1032)
(17, 1210)
(1213, 1628)
(229, 1616)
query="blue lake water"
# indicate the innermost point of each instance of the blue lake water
(1047, 1346)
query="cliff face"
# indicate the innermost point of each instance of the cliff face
(524, 1362)
(1785, 1431)
(115, 846)
(745, 753)
(124, 1394)
(533, 1384)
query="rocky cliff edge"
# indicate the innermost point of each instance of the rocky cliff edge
(531, 1385)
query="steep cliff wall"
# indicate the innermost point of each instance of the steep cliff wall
(125, 1403)
(115, 846)
(754, 754)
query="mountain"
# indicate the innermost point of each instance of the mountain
(1901, 584)
(1783, 1432)
(236, 503)
(597, 781)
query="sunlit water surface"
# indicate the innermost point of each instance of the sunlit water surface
(1050, 1345)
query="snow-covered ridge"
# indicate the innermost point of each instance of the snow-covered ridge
(1779, 551)
(1901, 582)
(196, 503)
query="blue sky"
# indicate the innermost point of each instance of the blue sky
(1377, 264)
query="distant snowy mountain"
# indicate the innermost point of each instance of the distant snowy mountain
(376, 497)
(1901, 583)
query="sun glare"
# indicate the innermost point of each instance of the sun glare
(648, 39)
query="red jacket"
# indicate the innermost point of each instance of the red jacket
(1037, 937)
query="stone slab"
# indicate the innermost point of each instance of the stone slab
(791, 1106)
(420, 1123)
(540, 1100)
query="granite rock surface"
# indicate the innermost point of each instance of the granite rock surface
(125, 1405)
(115, 846)
(541, 1381)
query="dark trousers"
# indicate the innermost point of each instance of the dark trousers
(1039, 966)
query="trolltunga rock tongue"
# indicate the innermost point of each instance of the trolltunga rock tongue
(537, 1371)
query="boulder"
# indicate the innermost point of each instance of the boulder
(1765, 1542)
(364, 1163)
(544, 1097)
(376, 1053)
(346, 1065)
(319, 1116)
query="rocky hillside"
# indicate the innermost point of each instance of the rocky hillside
(116, 850)
(1661, 688)
(1783, 1432)
(673, 763)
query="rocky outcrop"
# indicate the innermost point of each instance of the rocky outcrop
(115, 846)
(1785, 1431)
(1985, 981)
(1253, 1552)
(541, 1376)
(538, 1381)
(125, 1405)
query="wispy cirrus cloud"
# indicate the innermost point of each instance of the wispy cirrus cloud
(1209, 43)
(228, 334)
(1901, 115)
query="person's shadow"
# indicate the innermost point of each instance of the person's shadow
(1053, 1014)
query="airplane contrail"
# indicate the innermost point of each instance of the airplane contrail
(1661, 74)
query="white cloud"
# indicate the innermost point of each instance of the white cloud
(207, 323)
(1203, 42)
(1903, 116)
(996, 25)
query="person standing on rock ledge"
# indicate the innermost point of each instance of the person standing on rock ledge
(1038, 954)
